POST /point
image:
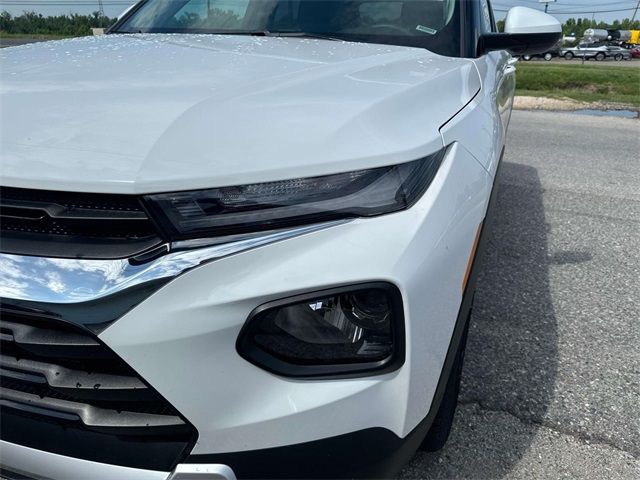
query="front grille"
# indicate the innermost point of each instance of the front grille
(67, 224)
(63, 391)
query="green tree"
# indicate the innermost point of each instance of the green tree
(31, 23)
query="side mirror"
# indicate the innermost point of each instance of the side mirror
(526, 32)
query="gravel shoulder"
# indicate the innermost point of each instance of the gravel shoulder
(522, 102)
(633, 63)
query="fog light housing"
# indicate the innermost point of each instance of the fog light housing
(351, 331)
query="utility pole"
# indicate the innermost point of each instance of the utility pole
(100, 8)
(546, 4)
(636, 12)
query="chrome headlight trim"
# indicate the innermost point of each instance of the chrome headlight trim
(97, 292)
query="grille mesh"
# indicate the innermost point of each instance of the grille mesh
(67, 224)
(51, 213)
(59, 380)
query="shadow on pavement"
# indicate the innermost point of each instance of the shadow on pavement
(512, 355)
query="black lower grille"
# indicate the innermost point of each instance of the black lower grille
(63, 391)
(8, 475)
(68, 224)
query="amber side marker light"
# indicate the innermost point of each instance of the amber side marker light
(471, 257)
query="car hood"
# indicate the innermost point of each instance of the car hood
(150, 113)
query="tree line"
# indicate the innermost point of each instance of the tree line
(577, 27)
(31, 23)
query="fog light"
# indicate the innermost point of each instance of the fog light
(369, 309)
(338, 332)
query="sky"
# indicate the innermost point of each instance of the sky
(601, 10)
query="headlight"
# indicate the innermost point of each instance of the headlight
(273, 205)
(353, 330)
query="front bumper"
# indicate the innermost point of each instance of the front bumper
(182, 338)
(19, 461)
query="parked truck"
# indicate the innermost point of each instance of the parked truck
(622, 38)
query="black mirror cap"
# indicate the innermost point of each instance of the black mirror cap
(518, 43)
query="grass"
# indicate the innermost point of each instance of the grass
(580, 82)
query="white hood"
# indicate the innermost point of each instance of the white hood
(151, 113)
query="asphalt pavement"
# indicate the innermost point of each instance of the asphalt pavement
(551, 384)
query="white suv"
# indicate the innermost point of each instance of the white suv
(240, 237)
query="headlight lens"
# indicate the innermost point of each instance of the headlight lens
(268, 206)
(346, 331)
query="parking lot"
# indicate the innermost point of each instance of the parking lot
(633, 63)
(552, 374)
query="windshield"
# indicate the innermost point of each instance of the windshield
(431, 24)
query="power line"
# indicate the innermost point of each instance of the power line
(575, 8)
(571, 5)
(583, 12)
(636, 12)
(605, 4)
(566, 12)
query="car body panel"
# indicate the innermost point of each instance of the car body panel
(482, 125)
(618, 53)
(18, 461)
(21, 460)
(195, 320)
(151, 113)
(583, 51)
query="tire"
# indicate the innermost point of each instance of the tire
(527, 58)
(618, 57)
(439, 432)
(600, 57)
(548, 57)
(568, 56)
